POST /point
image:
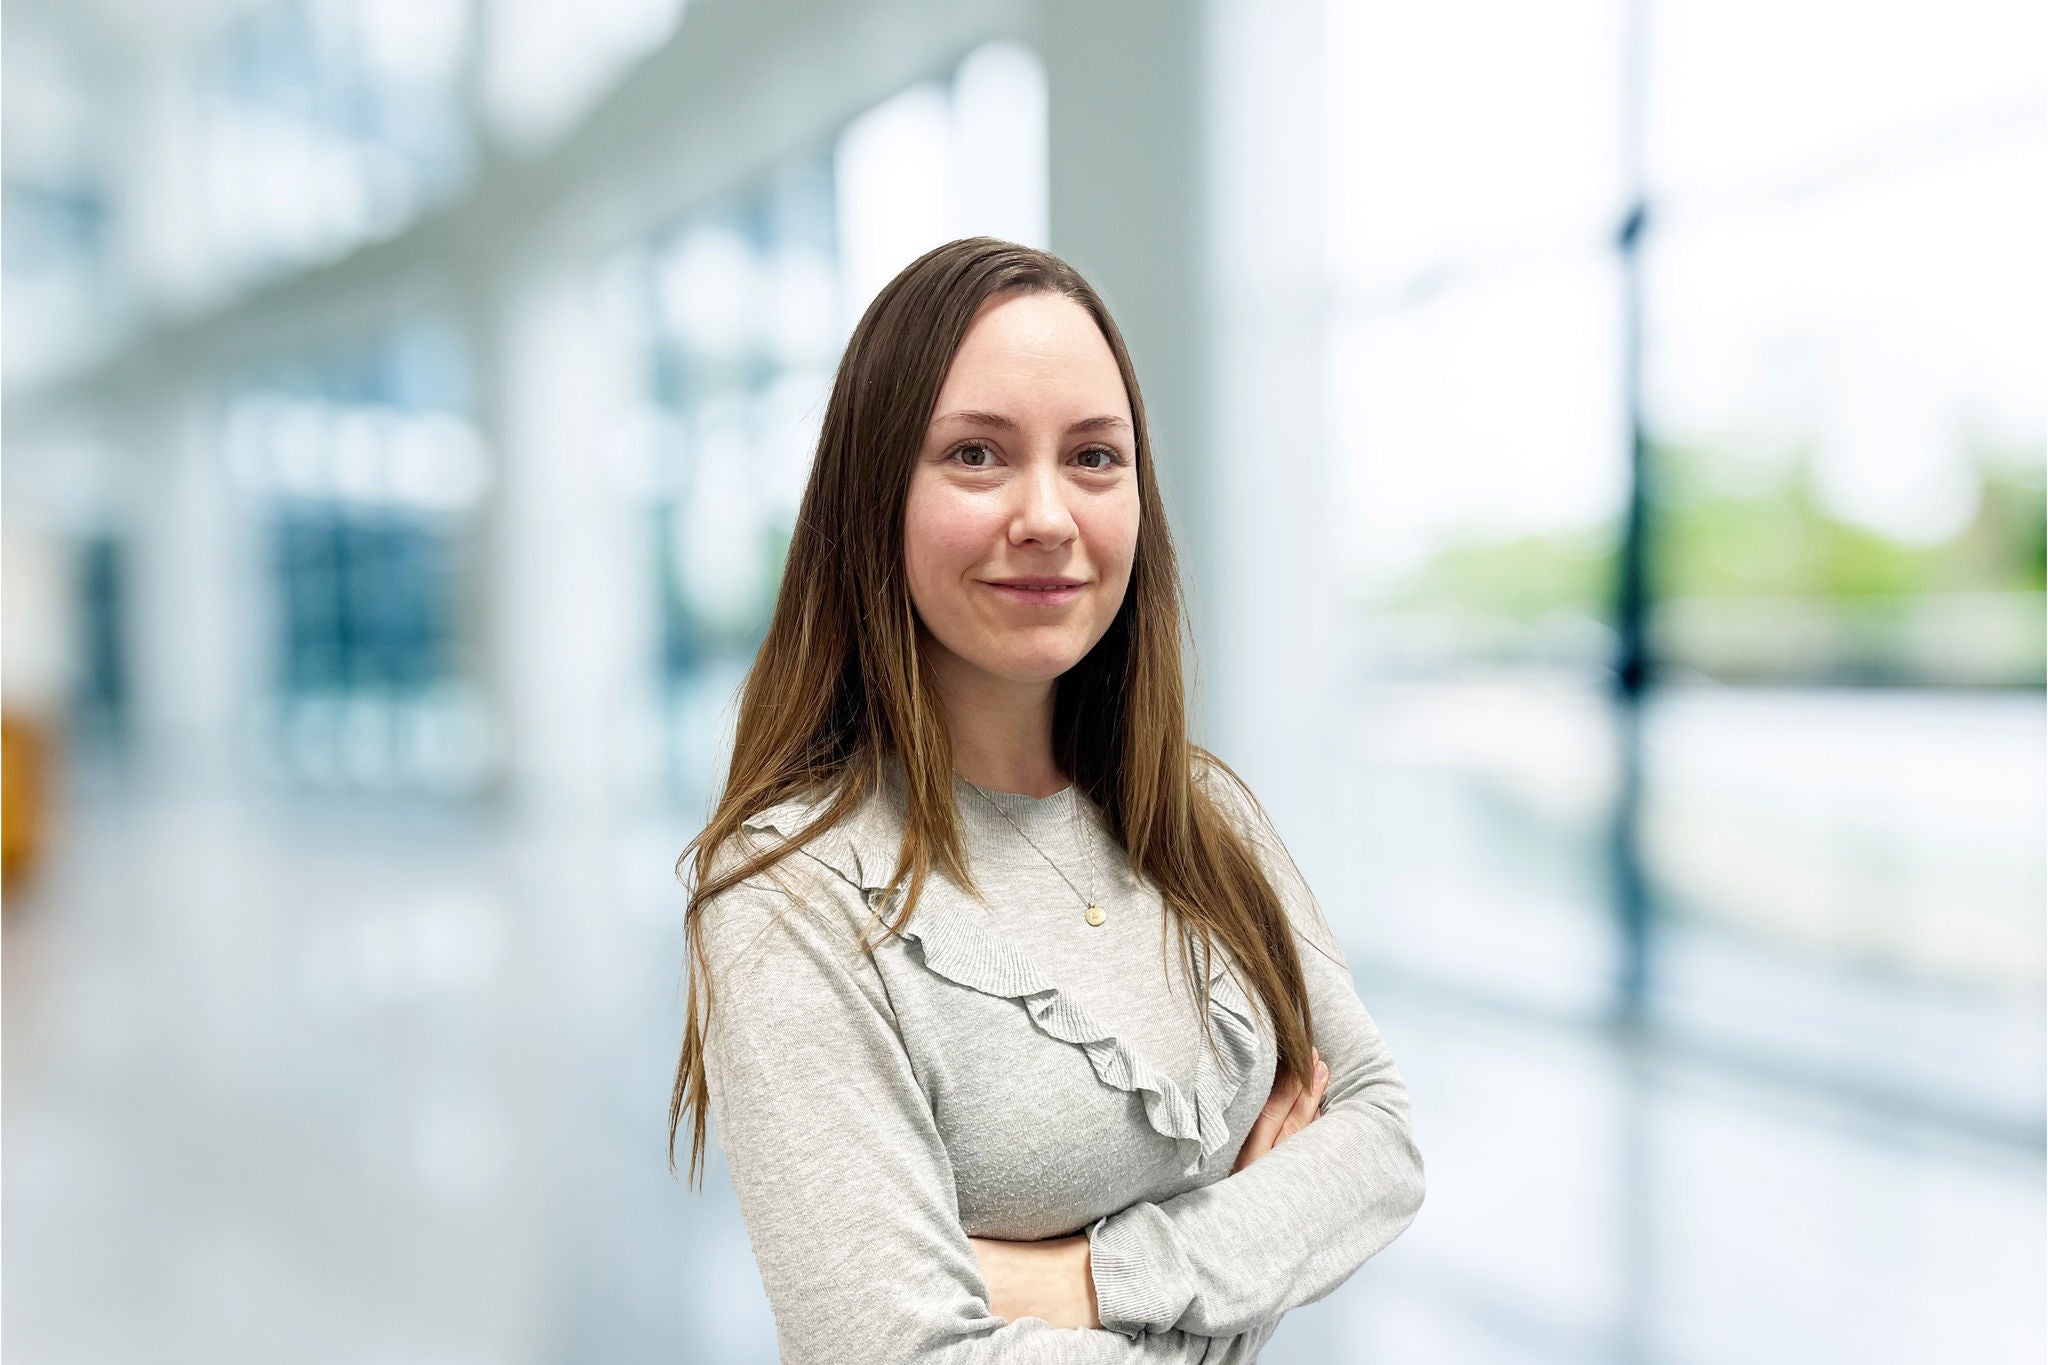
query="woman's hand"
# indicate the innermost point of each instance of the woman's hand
(1049, 1280)
(1289, 1109)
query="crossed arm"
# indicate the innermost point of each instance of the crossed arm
(845, 1186)
(1298, 1223)
(849, 1199)
(1227, 1257)
(1053, 1279)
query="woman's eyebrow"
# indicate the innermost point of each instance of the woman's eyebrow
(1002, 423)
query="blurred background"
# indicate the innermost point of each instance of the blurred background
(1605, 438)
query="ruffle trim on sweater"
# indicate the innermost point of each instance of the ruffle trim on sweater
(956, 942)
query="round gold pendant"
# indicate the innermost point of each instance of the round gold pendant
(1095, 914)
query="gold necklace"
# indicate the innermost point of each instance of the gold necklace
(1096, 914)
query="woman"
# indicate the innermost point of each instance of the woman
(970, 1111)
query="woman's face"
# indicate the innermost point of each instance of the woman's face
(1028, 471)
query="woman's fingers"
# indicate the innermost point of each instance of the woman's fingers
(1266, 1127)
(1290, 1108)
(1307, 1100)
(1280, 1104)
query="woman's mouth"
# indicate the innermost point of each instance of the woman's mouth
(1049, 595)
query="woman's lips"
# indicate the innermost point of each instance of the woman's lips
(1040, 597)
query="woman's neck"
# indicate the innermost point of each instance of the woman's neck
(1037, 776)
(1002, 732)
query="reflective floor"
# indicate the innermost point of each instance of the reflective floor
(311, 1080)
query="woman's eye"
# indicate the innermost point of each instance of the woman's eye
(961, 453)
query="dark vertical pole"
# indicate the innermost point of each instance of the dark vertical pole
(1638, 1167)
(1632, 671)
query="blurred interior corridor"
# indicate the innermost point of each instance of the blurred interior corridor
(1605, 442)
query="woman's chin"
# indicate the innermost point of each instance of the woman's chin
(1037, 667)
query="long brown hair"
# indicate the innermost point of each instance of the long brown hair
(839, 683)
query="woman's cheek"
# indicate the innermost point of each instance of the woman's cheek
(948, 544)
(965, 533)
(1113, 539)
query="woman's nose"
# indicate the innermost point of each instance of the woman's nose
(1044, 513)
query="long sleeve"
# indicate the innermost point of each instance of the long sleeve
(843, 1181)
(1296, 1223)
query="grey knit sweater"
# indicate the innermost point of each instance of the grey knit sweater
(1014, 1072)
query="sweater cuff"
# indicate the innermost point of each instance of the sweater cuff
(1141, 1278)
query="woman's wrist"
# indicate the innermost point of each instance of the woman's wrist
(1053, 1280)
(1090, 1316)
